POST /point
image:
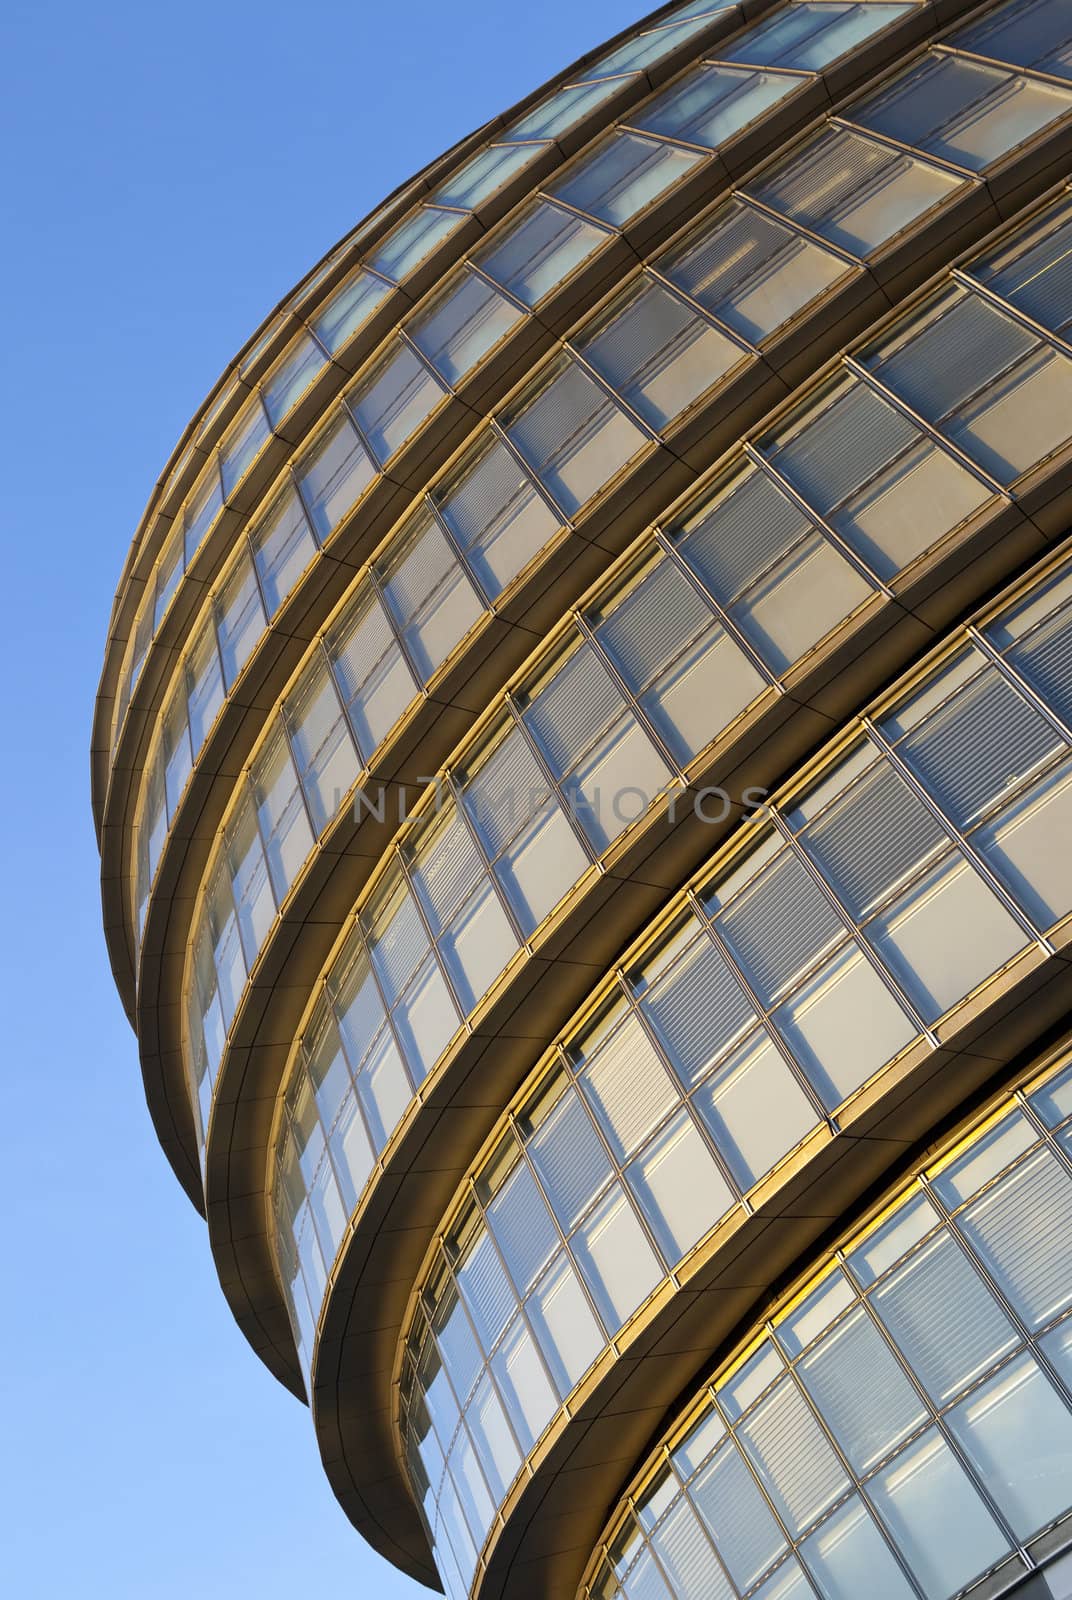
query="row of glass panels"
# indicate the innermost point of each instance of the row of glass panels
(903, 1426)
(797, 533)
(526, 259)
(389, 263)
(684, 325)
(837, 932)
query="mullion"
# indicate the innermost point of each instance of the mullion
(489, 865)
(411, 887)
(722, 615)
(556, 792)
(632, 701)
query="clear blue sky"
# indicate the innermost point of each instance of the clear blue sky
(170, 173)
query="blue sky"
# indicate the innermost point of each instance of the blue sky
(168, 174)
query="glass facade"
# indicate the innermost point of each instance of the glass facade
(810, 955)
(700, 383)
(903, 1426)
(788, 542)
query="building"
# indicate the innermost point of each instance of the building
(648, 1145)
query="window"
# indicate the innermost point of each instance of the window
(657, 354)
(811, 36)
(433, 603)
(286, 385)
(243, 445)
(689, 677)
(573, 435)
(372, 674)
(463, 324)
(283, 547)
(540, 250)
(327, 762)
(348, 309)
(285, 828)
(875, 477)
(496, 514)
(608, 768)
(413, 240)
(853, 191)
(486, 172)
(623, 176)
(780, 579)
(961, 111)
(1032, 34)
(240, 618)
(334, 475)
(750, 271)
(1034, 272)
(999, 393)
(713, 103)
(393, 400)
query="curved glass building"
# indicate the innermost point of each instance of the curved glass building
(583, 776)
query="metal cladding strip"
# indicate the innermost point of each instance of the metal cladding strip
(377, 1279)
(271, 340)
(190, 832)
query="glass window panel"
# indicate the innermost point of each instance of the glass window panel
(573, 435)
(485, 1288)
(202, 509)
(249, 875)
(334, 475)
(240, 618)
(1034, 270)
(1021, 845)
(750, 271)
(624, 176)
(848, 1557)
(484, 173)
(813, 1315)
(351, 1153)
(1020, 1229)
(496, 514)
(409, 243)
(779, 924)
(541, 866)
(459, 329)
(657, 353)
(745, 1533)
(458, 1346)
(393, 400)
(1027, 32)
(204, 684)
(286, 385)
(789, 1451)
(494, 1439)
(570, 1159)
(737, 1392)
(945, 1320)
(961, 111)
(697, 1008)
(395, 935)
(327, 760)
(243, 445)
(854, 192)
(370, 670)
(1041, 645)
(812, 35)
(690, 1452)
(618, 1263)
(755, 1109)
(175, 749)
(285, 827)
(567, 1331)
(1053, 1100)
(984, 1159)
(468, 1480)
(429, 594)
(562, 109)
(522, 1225)
(686, 1555)
(912, 1219)
(283, 547)
(628, 1087)
(349, 307)
(540, 250)
(679, 1187)
(877, 479)
(384, 1088)
(713, 103)
(425, 1019)
(936, 1517)
(524, 1385)
(788, 1583)
(1017, 1433)
(477, 945)
(861, 1391)
(920, 937)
